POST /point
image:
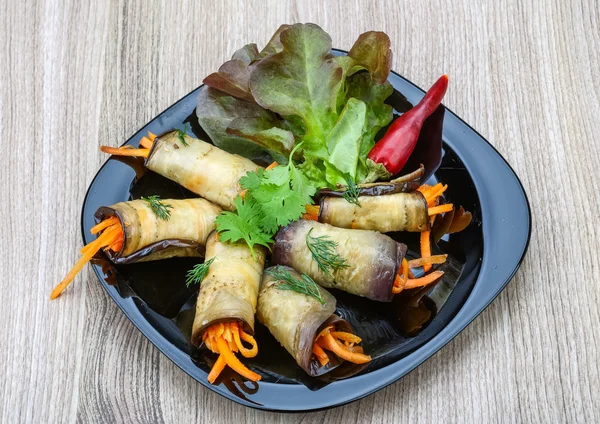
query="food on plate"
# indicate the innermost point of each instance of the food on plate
(229, 281)
(147, 229)
(360, 262)
(300, 315)
(198, 166)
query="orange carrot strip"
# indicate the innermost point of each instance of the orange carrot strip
(329, 343)
(146, 143)
(227, 333)
(125, 152)
(216, 370)
(423, 281)
(311, 212)
(400, 280)
(117, 246)
(435, 194)
(94, 247)
(440, 209)
(234, 363)
(151, 136)
(243, 193)
(435, 259)
(104, 224)
(349, 337)
(356, 349)
(273, 165)
(320, 354)
(248, 353)
(116, 233)
(426, 248)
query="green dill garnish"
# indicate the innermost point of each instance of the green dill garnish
(198, 272)
(323, 252)
(182, 133)
(305, 286)
(159, 208)
(352, 192)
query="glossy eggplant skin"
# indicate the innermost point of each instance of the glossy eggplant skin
(373, 258)
(200, 167)
(295, 319)
(386, 213)
(149, 238)
(230, 290)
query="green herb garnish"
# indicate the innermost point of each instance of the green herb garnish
(305, 286)
(182, 133)
(198, 272)
(323, 252)
(351, 193)
(159, 208)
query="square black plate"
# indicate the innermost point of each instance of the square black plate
(483, 260)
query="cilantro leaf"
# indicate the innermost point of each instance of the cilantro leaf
(251, 180)
(243, 225)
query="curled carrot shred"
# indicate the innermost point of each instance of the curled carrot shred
(330, 340)
(440, 209)
(426, 248)
(225, 339)
(423, 281)
(435, 259)
(146, 143)
(112, 235)
(273, 165)
(311, 212)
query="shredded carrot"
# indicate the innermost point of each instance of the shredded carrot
(217, 369)
(273, 165)
(109, 236)
(311, 212)
(125, 152)
(423, 281)
(104, 224)
(320, 355)
(434, 194)
(426, 248)
(243, 193)
(146, 143)
(440, 209)
(327, 341)
(435, 259)
(400, 280)
(151, 136)
(225, 339)
(330, 340)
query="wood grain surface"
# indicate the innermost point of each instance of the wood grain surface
(75, 75)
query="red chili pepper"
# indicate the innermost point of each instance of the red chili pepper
(394, 149)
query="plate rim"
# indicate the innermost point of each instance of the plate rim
(444, 335)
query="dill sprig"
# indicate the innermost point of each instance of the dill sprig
(352, 192)
(198, 272)
(324, 254)
(182, 133)
(158, 207)
(305, 286)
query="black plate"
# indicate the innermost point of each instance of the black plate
(400, 336)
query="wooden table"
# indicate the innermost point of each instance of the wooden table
(72, 77)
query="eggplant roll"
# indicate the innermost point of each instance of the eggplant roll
(295, 320)
(230, 290)
(372, 258)
(149, 238)
(386, 213)
(200, 167)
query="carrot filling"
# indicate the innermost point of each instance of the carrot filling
(311, 212)
(225, 339)
(341, 344)
(111, 237)
(143, 152)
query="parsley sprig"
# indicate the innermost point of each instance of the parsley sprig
(352, 192)
(198, 272)
(160, 209)
(182, 133)
(273, 199)
(324, 254)
(305, 285)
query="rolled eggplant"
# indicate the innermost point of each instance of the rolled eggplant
(147, 237)
(386, 213)
(200, 167)
(230, 290)
(296, 320)
(372, 259)
(227, 303)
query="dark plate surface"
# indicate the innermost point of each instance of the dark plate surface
(399, 336)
